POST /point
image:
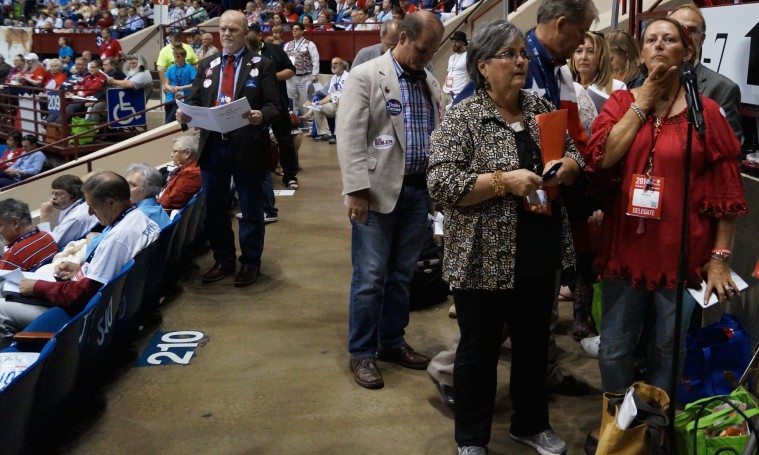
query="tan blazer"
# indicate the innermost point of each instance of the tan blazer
(370, 141)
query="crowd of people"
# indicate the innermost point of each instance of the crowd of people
(516, 224)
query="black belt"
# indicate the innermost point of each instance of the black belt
(221, 136)
(415, 180)
(304, 74)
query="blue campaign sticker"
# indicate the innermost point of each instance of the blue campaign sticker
(252, 83)
(171, 348)
(394, 107)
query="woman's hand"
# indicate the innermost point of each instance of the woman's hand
(567, 174)
(656, 87)
(521, 181)
(718, 280)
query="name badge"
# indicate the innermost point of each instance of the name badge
(645, 197)
(538, 202)
(215, 62)
(449, 82)
(251, 83)
(394, 107)
(254, 72)
(256, 59)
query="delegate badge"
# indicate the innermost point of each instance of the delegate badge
(537, 202)
(645, 196)
(449, 82)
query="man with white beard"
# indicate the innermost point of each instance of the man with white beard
(137, 77)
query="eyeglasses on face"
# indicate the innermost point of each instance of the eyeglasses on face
(511, 55)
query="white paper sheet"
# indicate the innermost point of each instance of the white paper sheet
(627, 411)
(222, 119)
(698, 294)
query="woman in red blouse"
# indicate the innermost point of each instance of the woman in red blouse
(641, 135)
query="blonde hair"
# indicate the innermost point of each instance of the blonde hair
(603, 77)
(624, 43)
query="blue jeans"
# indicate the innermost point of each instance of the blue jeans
(625, 311)
(217, 167)
(268, 196)
(384, 251)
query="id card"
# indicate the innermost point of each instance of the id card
(448, 81)
(537, 202)
(645, 197)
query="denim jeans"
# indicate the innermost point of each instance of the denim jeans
(217, 167)
(481, 314)
(625, 311)
(384, 252)
(268, 199)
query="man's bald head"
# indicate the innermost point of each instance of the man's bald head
(232, 29)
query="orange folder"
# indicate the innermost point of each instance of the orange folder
(552, 129)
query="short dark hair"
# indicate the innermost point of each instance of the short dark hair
(13, 208)
(107, 184)
(70, 184)
(574, 10)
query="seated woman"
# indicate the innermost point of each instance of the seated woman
(184, 180)
(145, 183)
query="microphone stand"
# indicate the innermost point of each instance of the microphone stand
(682, 266)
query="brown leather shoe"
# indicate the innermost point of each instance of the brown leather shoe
(218, 272)
(247, 275)
(366, 374)
(405, 357)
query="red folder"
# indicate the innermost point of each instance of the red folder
(552, 129)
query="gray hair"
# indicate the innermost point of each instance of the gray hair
(485, 43)
(387, 25)
(188, 142)
(11, 209)
(151, 178)
(574, 10)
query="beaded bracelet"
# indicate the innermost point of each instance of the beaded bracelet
(721, 254)
(639, 112)
(498, 187)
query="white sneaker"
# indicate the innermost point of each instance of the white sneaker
(590, 345)
(472, 450)
(545, 443)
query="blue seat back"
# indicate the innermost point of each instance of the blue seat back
(124, 327)
(97, 332)
(17, 401)
(177, 246)
(157, 266)
(192, 226)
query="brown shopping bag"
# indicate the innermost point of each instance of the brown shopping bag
(646, 434)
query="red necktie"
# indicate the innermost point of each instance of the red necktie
(228, 78)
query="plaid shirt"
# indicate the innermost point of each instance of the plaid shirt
(418, 119)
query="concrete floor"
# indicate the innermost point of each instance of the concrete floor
(273, 377)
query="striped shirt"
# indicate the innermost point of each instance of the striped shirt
(418, 119)
(28, 251)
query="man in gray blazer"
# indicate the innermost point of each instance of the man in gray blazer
(388, 109)
(710, 83)
(388, 39)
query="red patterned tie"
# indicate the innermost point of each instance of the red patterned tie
(228, 79)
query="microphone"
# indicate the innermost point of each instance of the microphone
(695, 108)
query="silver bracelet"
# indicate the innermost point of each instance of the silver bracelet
(639, 112)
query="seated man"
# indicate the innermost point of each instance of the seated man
(74, 219)
(327, 106)
(184, 180)
(28, 165)
(127, 232)
(145, 182)
(26, 246)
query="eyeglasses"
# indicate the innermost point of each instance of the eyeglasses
(511, 55)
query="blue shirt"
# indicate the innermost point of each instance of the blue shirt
(29, 164)
(541, 72)
(64, 52)
(153, 210)
(418, 119)
(178, 76)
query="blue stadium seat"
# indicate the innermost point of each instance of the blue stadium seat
(177, 244)
(17, 401)
(192, 226)
(125, 323)
(97, 332)
(157, 268)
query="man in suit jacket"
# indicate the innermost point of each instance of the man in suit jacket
(388, 109)
(710, 83)
(242, 153)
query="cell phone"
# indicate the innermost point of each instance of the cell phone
(551, 173)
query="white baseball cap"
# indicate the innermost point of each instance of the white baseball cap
(31, 56)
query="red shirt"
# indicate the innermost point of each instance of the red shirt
(182, 185)
(28, 251)
(91, 84)
(644, 252)
(110, 49)
(8, 155)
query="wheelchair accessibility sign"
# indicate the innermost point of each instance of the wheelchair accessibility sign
(125, 102)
